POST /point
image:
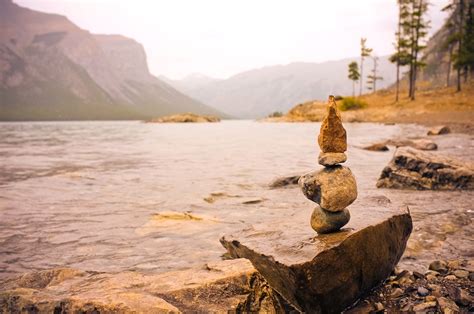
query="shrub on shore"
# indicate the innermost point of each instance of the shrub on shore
(352, 103)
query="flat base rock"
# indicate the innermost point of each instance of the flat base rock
(414, 169)
(222, 286)
(325, 273)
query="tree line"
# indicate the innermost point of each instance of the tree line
(410, 41)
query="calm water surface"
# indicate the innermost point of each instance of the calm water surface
(87, 194)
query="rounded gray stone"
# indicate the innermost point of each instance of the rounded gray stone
(331, 159)
(323, 221)
(333, 188)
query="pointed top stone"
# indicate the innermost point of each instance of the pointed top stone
(332, 136)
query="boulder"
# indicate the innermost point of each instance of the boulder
(422, 144)
(332, 136)
(325, 273)
(331, 159)
(333, 188)
(377, 147)
(323, 221)
(285, 181)
(414, 169)
(220, 286)
(439, 130)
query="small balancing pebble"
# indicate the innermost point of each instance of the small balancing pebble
(323, 221)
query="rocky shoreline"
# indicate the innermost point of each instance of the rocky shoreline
(447, 287)
(184, 118)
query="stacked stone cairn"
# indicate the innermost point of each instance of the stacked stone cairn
(334, 187)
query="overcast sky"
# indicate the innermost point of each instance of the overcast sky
(220, 38)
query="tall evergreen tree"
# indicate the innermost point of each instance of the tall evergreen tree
(461, 28)
(417, 26)
(354, 75)
(373, 78)
(401, 57)
(364, 52)
(466, 55)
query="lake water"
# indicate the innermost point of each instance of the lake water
(86, 194)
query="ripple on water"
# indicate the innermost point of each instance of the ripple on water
(85, 194)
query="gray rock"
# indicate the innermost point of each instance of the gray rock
(326, 273)
(414, 169)
(422, 144)
(425, 145)
(460, 273)
(331, 159)
(377, 147)
(438, 266)
(422, 291)
(323, 221)
(439, 130)
(285, 181)
(333, 188)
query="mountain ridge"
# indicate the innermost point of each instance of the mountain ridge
(256, 93)
(51, 69)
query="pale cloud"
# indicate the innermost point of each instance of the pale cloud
(220, 38)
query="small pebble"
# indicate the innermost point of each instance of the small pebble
(439, 266)
(461, 273)
(454, 264)
(422, 291)
(471, 276)
(430, 298)
(379, 306)
(450, 277)
(431, 277)
(396, 293)
(418, 275)
(424, 306)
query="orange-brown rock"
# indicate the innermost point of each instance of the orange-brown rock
(218, 287)
(332, 136)
(325, 273)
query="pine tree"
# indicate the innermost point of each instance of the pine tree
(364, 52)
(417, 26)
(461, 28)
(452, 38)
(402, 56)
(373, 78)
(354, 75)
(466, 55)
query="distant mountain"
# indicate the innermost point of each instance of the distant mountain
(258, 92)
(191, 82)
(50, 69)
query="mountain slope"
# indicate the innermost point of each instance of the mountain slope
(52, 69)
(258, 92)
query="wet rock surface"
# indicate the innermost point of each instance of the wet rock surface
(333, 188)
(413, 169)
(217, 287)
(432, 292)
(325, 273)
